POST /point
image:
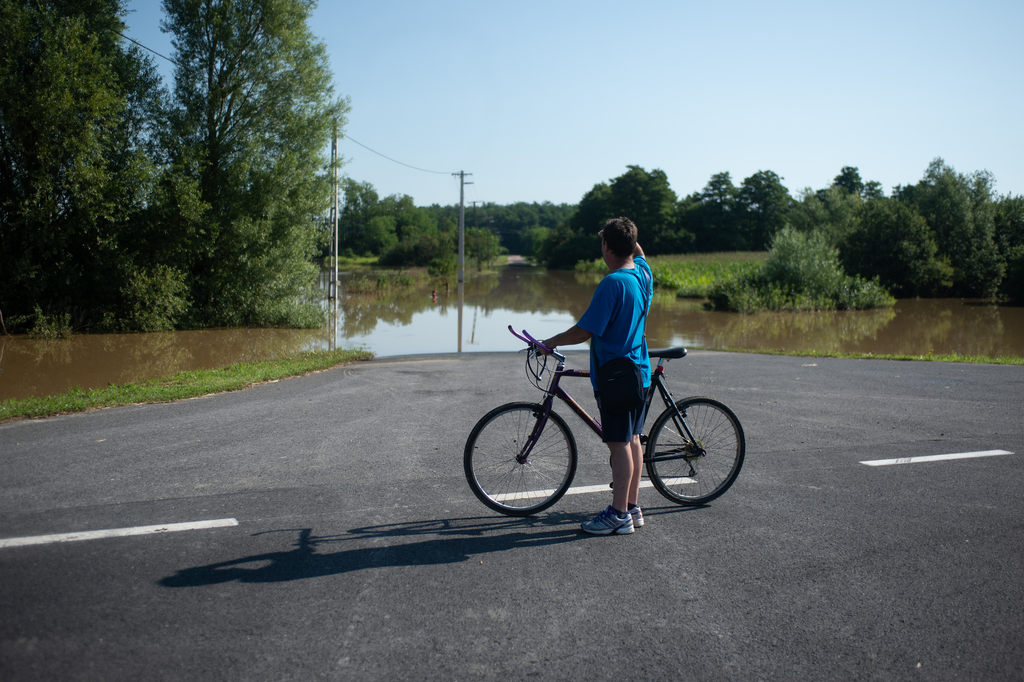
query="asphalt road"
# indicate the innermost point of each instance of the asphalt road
(361, 554)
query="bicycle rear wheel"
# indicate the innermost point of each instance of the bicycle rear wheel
(495, 474)
(676, 465)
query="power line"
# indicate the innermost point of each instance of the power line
(349, 137)
(146, 48)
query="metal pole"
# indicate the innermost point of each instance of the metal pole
(334, 237)
(462, 224)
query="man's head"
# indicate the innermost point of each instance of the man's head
(620, 236)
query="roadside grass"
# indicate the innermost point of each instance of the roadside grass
(929, 357)
(181, 386)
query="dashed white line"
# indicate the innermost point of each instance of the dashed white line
(115, 533)
(581, 490)
(934, 458)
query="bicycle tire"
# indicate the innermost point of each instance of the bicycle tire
(495, 475)
(691, 479)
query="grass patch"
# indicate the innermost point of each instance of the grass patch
(691, 275)
(181, 386)
(929, 357)
(352, 262)
(376, 281)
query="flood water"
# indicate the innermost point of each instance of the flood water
(411, 321)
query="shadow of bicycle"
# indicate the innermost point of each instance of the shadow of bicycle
(450, 541)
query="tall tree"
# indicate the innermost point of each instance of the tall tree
(254, 111)
(849, 180)
(1009, 222)
(894, 244)
(763, 202)
(960, 210)
(648, 200)
(74, 108)
(712, 217)
(833, 211)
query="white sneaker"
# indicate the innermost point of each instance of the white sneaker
(637, 516)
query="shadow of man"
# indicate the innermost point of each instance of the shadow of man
(452, 541)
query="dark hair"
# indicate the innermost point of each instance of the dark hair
(620, 235)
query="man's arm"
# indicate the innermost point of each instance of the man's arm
(569, 337)
(638, 251)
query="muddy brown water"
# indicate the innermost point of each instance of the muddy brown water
(414, 320)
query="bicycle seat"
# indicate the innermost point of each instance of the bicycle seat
(670, 353)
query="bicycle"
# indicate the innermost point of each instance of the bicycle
(521, 457)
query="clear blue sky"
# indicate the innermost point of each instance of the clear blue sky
(542, 100)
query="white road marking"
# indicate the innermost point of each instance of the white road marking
(581, 490)
(934, 458)
(115, 533)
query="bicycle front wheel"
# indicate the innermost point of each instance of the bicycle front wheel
(494, 471)
(695, 471)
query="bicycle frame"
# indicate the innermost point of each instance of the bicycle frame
(554, 390)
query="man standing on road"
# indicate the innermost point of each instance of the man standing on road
(614, 324)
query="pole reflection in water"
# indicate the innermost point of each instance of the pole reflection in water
(462, 294)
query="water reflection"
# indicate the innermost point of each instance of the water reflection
(31, 367)
(412, 320)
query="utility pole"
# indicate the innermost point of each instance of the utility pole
(462, 222)
(332, 287)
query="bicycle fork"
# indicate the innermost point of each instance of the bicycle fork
(538, 428)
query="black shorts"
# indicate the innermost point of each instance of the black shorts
(620, 428)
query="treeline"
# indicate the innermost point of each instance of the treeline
(949, 234)
(128, 206)
(399, 233)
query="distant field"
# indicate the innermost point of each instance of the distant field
(692, 274)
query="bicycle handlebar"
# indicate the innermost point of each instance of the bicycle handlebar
(525, 336)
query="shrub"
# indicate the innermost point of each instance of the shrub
(56, 326)
(153, 300)
(801, 272)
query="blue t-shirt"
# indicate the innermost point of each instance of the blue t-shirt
(616, 318)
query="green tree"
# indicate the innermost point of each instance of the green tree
(359, 206)
(482, 246)
(960, 210)
(644, 197)
(1009, 225)
(647, 199)
(711, 215)
(577, 240)
(894, 244)
(75, 120)
(763, 203)
(832, 211)
(849, 180)
(254, 110)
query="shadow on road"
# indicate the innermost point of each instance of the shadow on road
(450, 541)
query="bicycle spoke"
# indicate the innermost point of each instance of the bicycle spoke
(495, 473)
(692, 471)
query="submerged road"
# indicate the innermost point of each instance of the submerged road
(321, 528)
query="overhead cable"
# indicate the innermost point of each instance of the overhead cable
(349, 137)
